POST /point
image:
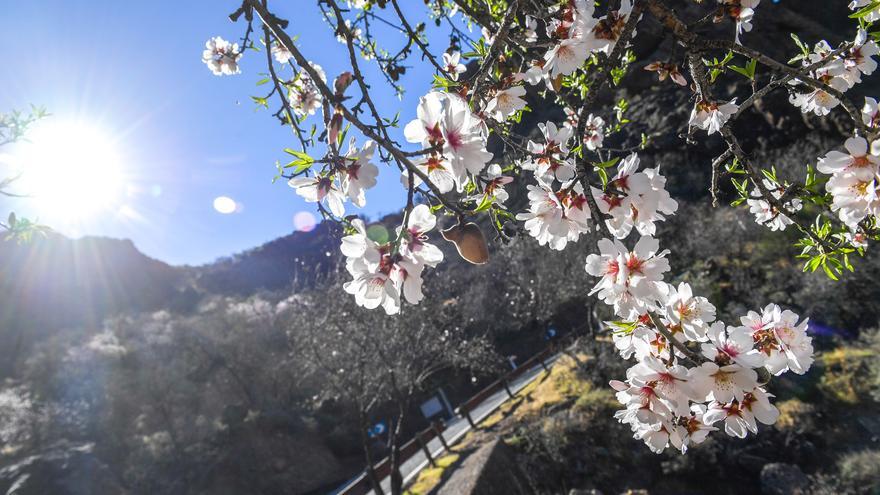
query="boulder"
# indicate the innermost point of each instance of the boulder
(783, 479)
(490, 470)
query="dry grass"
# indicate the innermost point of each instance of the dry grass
(431, 476)
(560, 384)
(845, 378)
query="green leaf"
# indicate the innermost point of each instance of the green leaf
(485, 204)
(610, 163)
(865, 11)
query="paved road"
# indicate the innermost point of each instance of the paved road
(458, 426)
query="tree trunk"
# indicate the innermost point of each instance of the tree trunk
(368, 455)
(396, 476)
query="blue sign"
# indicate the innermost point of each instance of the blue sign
(377, 429)
(551, 332)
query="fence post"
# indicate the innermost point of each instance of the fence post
(506, 387)
(464, 411)
(425, 449)
(439, 433)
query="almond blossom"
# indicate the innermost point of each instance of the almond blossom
(855, 197)
(781, 339)
(767, 214)
(604, 35)
(870, 113)
(413, 241)
(221, 56)
(691, 314)
(710, 116)
(722, 383)
(734, 345)
(555, 218)
(740, 416)
(506, 103)
(872, 15)
(494, 186)
(859, 60)
(280, 52)
(549, 162)
(359, 172)
(572, 50)
(445, 120)
(631, 280)
(818, 100)
(303, 95)
(593, 132)
(452, 65)
(742, 12)
(634, 199)
(320, 189)
(858, 160)
(438, 170)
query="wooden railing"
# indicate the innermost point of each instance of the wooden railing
(362, 485)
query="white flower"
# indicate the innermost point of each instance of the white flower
(858, 160)
(765, 213)
(734, 345)
(303, 94)
(549, 162)
(722, 383)
(778, 336)
(555, 218)
(530, 34)
(452, 65)
(414, 245)
(691, 429)
(741, 11)
(819, 101)
(631, 280)
(370, 267)
(710, 116)
(854, 197)
(593, 132)
(691, 314)
(506, 103)
(870, 113)
(739, 416)
(634, 199)
(378, 278)
(670, 383)
(438, 170)
(494, 187)
(359, 172)
(221, 56)
(445, 119)
(281, 53)
(566, 57)
(858, 59)
(607, 30)
(318, 189)
(872, 15)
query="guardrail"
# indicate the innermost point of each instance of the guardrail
(362, 484)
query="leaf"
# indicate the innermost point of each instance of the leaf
(865, 11)
(485, 204)
(829, 273)
(610, 163)
(299, 154)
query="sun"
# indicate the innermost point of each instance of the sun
(71, 170)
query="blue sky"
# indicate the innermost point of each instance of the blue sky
(183, 136)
